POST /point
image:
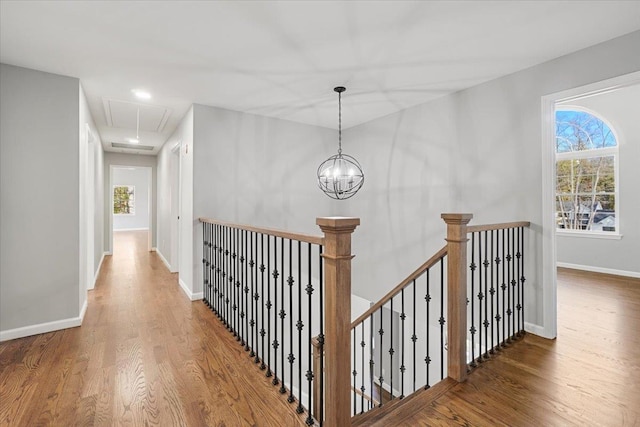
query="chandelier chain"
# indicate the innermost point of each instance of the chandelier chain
(339, 123)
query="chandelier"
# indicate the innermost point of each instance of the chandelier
(340, 176)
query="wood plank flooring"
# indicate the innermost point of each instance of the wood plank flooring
(588, 376)
(145, 355)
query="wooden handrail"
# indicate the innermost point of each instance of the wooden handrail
(395, 291)
(498, 226)
(307, 238)
(366, 396)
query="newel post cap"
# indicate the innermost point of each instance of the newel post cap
(456, 218)
(337, 223)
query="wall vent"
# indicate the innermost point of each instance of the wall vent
(132, 146)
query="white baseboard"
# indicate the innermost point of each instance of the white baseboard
(164, 260)
(615, 272)
(192, 296)
(131, 229)
(95, 277)
(108, 253)
(43, 328)
(536, 330)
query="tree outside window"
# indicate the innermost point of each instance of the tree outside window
(124, 200)
(586, 162)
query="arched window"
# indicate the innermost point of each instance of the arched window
(586, 171)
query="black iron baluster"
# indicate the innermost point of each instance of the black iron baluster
(247, 295)
(235, 283)
(292, 357)
(309, 290)
(402, 367)
(427, 358)
(518, 276)
(204, 261)
(371, 361)
(442, 320)
(503, 287)
(510, 258)
(380, 377)
(391, 349)
(269, 305)
(414, 337)
(486, 263)
(522, 280)
(300, 326)
(282, 315)
(212, 266)
(244, 288)
(355, 375)
(264, 301)
(480, 296)
(276, 343)
(513, 282)
(225, 274)
(252, 298)
(492, 292)
(363, 344)
(472, 329)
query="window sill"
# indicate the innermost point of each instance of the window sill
(590, 234)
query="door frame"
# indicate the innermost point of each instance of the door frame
(549, 273)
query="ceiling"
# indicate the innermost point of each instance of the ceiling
(282, 59)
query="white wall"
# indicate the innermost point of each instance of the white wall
(39, 201)
(120, 159)
(621, 109)
(168, 191)
(91, 196)
(140, 179)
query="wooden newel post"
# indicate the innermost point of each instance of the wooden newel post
(337, 328)
(457, 293)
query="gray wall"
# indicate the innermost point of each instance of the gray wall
(139, 178)
(121, 159)
(39, 199)
(621, 109)
(257, 170)
(478, 150)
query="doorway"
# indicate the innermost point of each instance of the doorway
(549, 202)
(131, 209)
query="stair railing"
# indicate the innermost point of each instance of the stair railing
(418, 334)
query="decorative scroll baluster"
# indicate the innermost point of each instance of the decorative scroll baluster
(265, 300)
(354, 373)
(472, 329)
(391, 349)
(269, 305)
(402, 367)
(363, 389)
(503, 287)
(522, 280)
(414, 337)
(485, 296)
(492, 292)
(309, 290)
(282, 314)
(300, 327)
(442, 320)
(371, 359)
(427, 358)
(480, 297)
(380, 377)
(321, 334)
(291, 358)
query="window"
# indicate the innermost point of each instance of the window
(124, 201)
(586, 170)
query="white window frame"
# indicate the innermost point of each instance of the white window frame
(585, 154)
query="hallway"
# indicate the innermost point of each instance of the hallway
(145, 355)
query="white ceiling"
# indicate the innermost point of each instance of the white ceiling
(282, 59)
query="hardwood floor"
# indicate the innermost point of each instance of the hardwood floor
(588, 376)
(145, 355)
